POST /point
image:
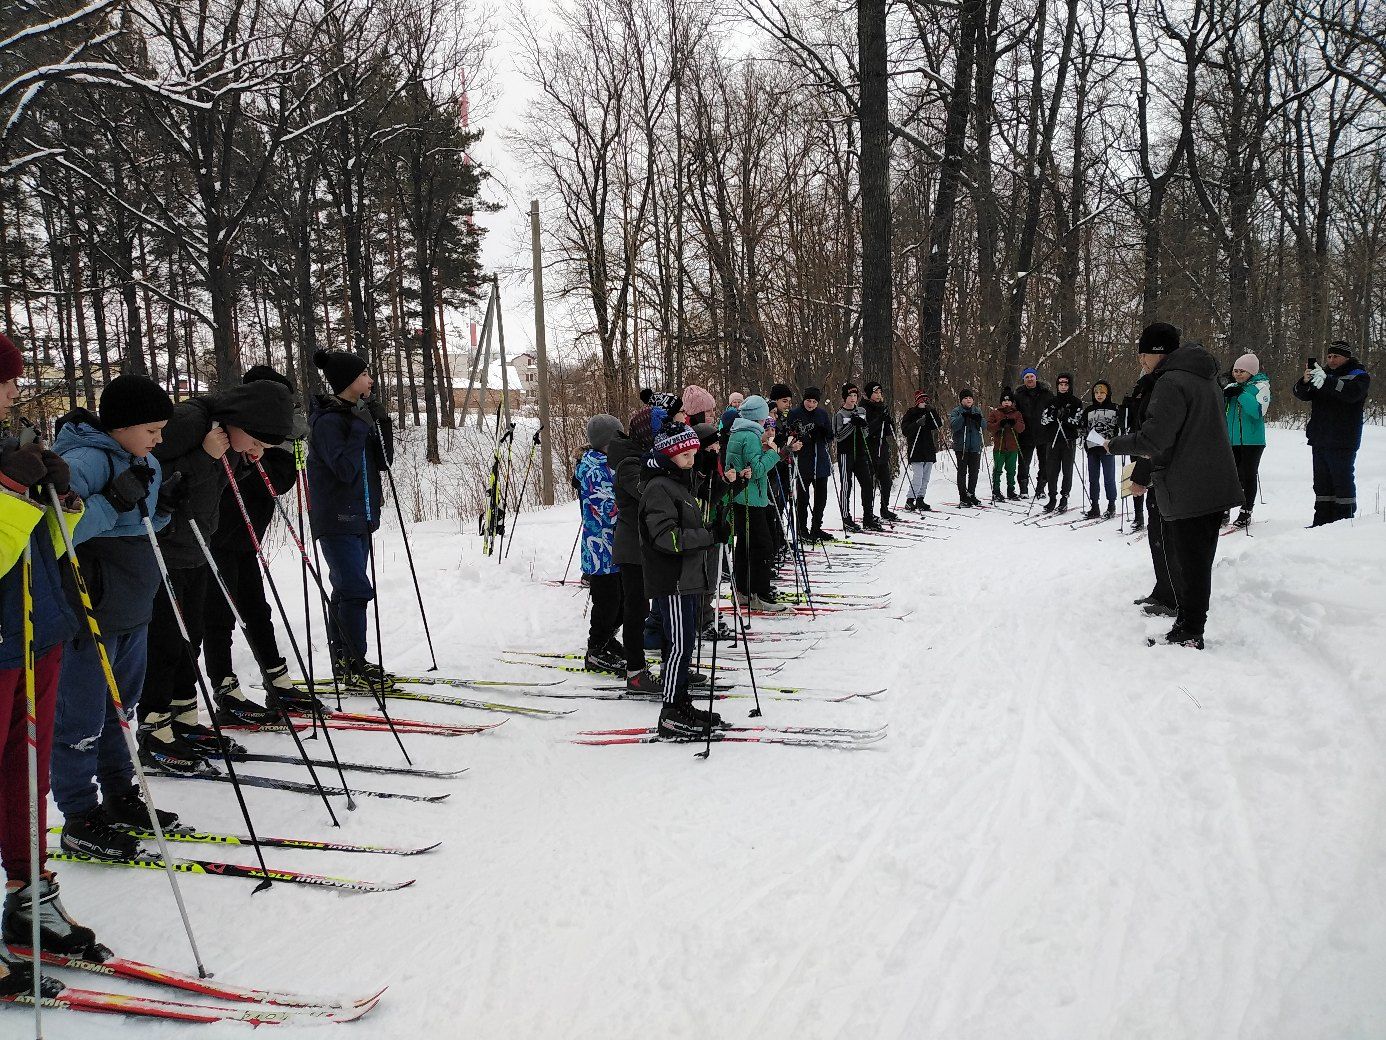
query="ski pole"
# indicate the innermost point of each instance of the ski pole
(89, 612)
(31, 735)
(746, 646)
(375, 604)
(408, 551)
(524, 486)
(573, 551)
(264, 672)
(712, 673)
(202, 689)
(330, 611)
(301, 495)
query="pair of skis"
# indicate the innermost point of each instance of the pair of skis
(838, 738)
(259, 1007)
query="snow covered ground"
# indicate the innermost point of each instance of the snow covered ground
(1066, 835)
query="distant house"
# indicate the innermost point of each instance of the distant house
(527, 364)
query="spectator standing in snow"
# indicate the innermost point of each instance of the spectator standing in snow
(1032, 398)
(1195, 477)
(597, 497)
(1059, 431)
(1248, 395)
(814, 428)
(1337, 394)
(1006, 426)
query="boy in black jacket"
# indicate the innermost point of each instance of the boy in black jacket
(676, 548)
(1060, 430)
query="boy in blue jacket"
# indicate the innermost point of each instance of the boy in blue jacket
(345, 460)
(113, 469)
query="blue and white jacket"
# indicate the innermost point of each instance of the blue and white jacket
(597, 496)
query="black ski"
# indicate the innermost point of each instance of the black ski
(273, 783)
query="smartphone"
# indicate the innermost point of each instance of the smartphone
(1310, 362)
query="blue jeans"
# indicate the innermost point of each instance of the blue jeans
(88, 747)
(347, 557)
(1101, 464)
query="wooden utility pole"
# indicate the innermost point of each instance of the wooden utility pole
(542, 363)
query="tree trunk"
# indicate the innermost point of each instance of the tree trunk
(877, 324)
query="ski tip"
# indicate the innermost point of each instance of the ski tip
(419, 852)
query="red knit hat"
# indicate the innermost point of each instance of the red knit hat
(11, 361)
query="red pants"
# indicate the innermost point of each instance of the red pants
(14, 760)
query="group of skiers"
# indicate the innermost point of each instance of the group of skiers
(165, 504)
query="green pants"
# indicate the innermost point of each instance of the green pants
(1008, 459)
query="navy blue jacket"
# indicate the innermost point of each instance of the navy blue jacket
(1335, 409)
(815, 429)
(21, 520)
(344, 466)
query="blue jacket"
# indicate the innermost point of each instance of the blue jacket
(597, 496)
(815, 429)
(966, 424)
(113, 549)
(1246, 411)
(344, 466)
(1335, 409)
(22, 521)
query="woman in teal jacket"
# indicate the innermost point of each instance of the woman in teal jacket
(751, 452)
(1248, 399)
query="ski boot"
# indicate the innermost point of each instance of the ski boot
(235, 709)
(1092, 514)
(924, 507)
(870, 523)
(57, 931)
(820, 535)
(1157, 609)
(1111, 511)
(850, 526)
(603, 661)
(1243, 519)
(910, 506)
(889, 516)
(1049, 506)
(769, 606)
(720, 631)
(1138, 524)
(679, 721)
(130, 811)
(1180, 636)
(204, 740)
(17, 976)
(996, 495)
(282, 695)
(1012, 496)
(644, 684)
(1063, 504)
(91, 834)
(160, 749)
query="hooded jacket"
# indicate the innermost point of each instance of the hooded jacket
(1005, 437)
(1184, 435)
(597, 498)
(815, 429)
(113, 549)
(1336, 408)
(1246, 410)
(918, 426)
(345, 461)
(263, 406)
(1100, 418)
(744, 449)
(1061, 420)
(279, 466)
(880, 427)
(675, 544)
(626, 461)
(1032, 404)
(1130, 415)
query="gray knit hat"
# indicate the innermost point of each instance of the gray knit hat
(601, 429)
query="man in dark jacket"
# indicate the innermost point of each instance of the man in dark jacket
(625, 457)
(203, 431)
(1184, 434)
(1032, 398)
(676, 548)
(234, 553)
(1337, 395)
(814, 429)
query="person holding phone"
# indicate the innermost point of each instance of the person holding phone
(1337, 395)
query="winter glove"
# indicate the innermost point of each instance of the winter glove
(58, 473)
(1317, 377)
(859, 421)
(126, 490)
(974, 418)
(22, 468)
(172, 494)
(1007, 423)
(1231, 390)
(722, 530)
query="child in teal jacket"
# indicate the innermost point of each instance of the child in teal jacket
(751, 452)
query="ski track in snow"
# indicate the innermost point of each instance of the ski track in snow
(1066, 835)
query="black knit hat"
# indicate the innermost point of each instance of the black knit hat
(1341, 347)
(258, 372)
(966, 392)
(1064, 377)
(812, 393)
(339, 367)
(1159, 337)
(1005, 396)
(133, 400)
(872, 387)
(849, 388)
(778, 391)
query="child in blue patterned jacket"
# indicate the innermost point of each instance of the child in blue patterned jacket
(597, 496)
